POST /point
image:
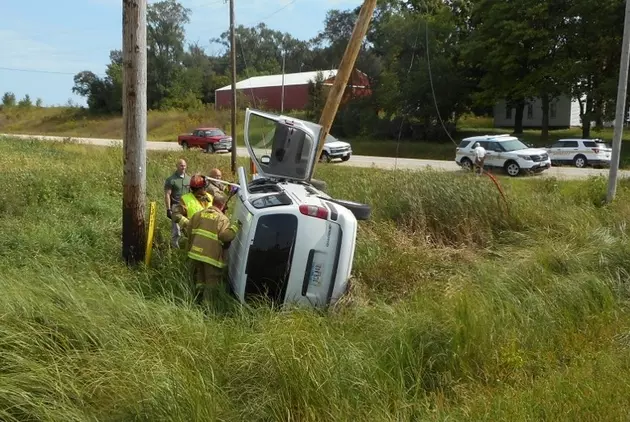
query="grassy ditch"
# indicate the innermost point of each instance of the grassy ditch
(459, 310)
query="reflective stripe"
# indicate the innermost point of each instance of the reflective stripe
(205, 259)
(208, 234)
(234, 228)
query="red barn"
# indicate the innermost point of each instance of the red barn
(266, 91)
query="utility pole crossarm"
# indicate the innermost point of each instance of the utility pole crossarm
(345, 69)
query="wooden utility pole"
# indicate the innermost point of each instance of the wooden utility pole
(233, 66)
(135, 129)
(620, 114)
(345, 69)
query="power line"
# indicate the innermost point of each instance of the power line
(274, 13)
(14, 69)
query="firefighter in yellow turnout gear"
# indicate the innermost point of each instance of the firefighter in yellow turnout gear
(192, 202)
(209, 235)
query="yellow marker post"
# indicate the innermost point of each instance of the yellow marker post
(149, 248)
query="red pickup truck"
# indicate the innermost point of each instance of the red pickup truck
(211, 139)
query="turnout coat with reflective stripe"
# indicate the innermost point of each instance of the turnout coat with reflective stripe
(208, 231)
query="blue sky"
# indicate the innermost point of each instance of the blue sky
(47, 42)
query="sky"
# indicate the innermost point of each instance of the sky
(44, 43)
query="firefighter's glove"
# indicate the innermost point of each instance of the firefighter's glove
(169, 214)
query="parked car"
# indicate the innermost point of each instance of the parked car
(296, 243)
(504, 152)
(334, 148)
(211, 139)
(580, 152)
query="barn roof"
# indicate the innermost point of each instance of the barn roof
(301, 78)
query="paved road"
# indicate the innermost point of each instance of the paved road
(355, 161)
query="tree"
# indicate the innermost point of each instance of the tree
(165, 44)
(316, 98)
(25, 102)
(404, 88)
(519, 46)
(39, 103)
(8, 99)
(594, 36)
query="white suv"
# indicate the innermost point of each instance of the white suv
(296, 244)
(580, 152)
(505, 152)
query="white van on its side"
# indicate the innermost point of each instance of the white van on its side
(296, 243)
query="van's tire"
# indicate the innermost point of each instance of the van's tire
(319, 184)
(360, 211)
(184, 145)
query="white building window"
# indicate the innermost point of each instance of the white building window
(552, 110)
(508, 112)
(530, 111)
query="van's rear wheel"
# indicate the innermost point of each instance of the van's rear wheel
(360, 211)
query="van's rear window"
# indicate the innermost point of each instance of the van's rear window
(270, 256)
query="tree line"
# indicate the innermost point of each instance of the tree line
(428, 61)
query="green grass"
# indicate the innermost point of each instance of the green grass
(166, 125)
(459, 309)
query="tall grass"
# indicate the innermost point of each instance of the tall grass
(458, 309)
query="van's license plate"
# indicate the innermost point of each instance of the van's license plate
(316, 275)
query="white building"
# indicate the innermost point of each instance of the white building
(564, 112)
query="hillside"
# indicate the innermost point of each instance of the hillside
(459, 309)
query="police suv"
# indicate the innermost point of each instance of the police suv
(580, 152)
(504, 152)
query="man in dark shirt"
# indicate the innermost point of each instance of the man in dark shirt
(175, 186)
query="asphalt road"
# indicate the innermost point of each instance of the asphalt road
(565, 172)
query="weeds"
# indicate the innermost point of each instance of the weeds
(458, 310)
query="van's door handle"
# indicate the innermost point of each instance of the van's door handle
(307, 272)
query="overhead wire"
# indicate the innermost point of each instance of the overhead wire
(240, 43)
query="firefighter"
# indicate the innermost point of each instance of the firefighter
(209, 235)
(192, 202)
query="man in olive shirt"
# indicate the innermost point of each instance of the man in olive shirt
(175, 186)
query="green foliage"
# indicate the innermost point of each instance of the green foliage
(316, 98)
(25, 102)
(8, 99)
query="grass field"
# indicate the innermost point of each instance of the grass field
(166, 125)
(459, 310)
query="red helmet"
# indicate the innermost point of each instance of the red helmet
(197, 182)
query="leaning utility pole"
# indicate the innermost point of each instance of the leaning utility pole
(134, 93)
(233, 66)
(620, 116)
(345, 68)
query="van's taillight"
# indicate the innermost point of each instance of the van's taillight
(314, 211)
